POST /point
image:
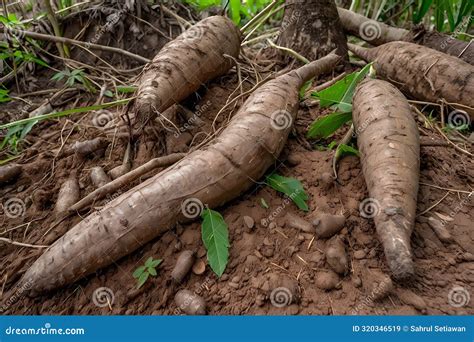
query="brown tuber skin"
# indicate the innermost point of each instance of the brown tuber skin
(327, 225)
(184, 64)
(389, 145)
(98, 177)
(190, 303)
(424, 73)
(215, 174)
(69, 194)
(183, 266)
(336, 256)
(9, 173)
(378, 33)
(326, 280)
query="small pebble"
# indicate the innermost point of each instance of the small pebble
(249, 222)
(359, 254)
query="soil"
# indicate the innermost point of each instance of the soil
(265, 256)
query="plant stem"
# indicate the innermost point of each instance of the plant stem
(63, 51)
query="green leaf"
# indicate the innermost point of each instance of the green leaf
(149, 262)
(304, 88)
(156, 262)
(340, 94)
(215, 236)
(58, 76)
(263, 203)
(27, 129)
(334, 93)
(138, 272)
(325, 126)
(235, 7)
(143, 278)
(421, 11)
(347, 98)
(290, 187)
(152, 271)
(108, 93)
(126, 89)
(344, 149)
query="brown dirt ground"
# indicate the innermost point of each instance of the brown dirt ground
(262, 258)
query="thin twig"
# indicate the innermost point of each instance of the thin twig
(289, 51)
(92, 46)
(434, 205)
(21, 244)
(126, 179)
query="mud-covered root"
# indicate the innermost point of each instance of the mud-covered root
(444, 43)
(83, 148)
(336, 256)
(183, 266)
(389, 145)
(9, 173)
(377, 33)
(190, 303)
(98, 177)
(69, 194)
(372, 31)
(327, 225)
(184, 64)
(425, 74)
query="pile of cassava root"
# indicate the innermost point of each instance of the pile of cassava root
(241, 154)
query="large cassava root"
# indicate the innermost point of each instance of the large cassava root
(424, 73)
(378, 33)
(389, 145)
(214, 175)
(184, 64)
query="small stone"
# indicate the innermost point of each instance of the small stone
(272, 225)
(234, 285)
(236, 279)
(357, 281)
(199, 267)
(249, 222)
(294, 221)
(410, 298)
(326, 280)
(451, 261)
(224, 277)
(268, 252)
(359, 254)
(293, 159)
(267, 242)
